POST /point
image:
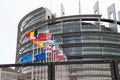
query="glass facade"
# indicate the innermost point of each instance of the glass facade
(80, 40)
(83, 72)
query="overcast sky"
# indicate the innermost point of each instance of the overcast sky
(11, 12)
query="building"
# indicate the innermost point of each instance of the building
(10, 74)
(82, 37)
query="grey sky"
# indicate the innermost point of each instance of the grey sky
(11, 11)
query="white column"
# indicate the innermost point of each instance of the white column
(112, 15)
(119, 15)
(79, 8)
(96, 8)
(62, 10)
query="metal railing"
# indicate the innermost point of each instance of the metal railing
(69, 70)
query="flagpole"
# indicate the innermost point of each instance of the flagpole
(53, 50)
(32, 77)
(40, 69)
(46, 49)
(36, 66)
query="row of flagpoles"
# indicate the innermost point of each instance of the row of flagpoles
(50, 51)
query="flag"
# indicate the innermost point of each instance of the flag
(45, 32)
(55, 47)
(37, 42)
(50, 42)
(59, 52)
(44, 37)
(59, 55)
(49, 36)
(26, 59)
(32, 34)
(40, 57)
(47, 50)
(60, 58)
(33, 40)
(52, 37)
(41, 44)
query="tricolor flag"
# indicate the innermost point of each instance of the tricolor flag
(31, 34)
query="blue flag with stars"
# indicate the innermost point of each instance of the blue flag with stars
(40, 57)
(26, 58)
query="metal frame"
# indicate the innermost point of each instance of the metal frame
(117, 69)
(51, 70)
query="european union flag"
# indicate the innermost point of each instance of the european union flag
(40, 57)
(26, 58)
